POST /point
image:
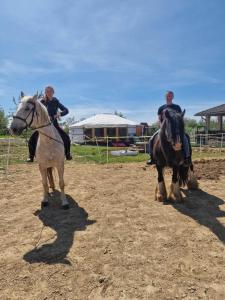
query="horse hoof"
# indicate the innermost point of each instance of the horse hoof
(159, 198)
(65, 206)
(44, 204)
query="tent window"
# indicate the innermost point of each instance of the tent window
(123, 131)
(111, 132)
(88, 132)
(99, 132)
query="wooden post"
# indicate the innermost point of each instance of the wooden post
(107, 143)
(207, 123)
(117, 134)
(93, 133)
(220, 123)
(105, 133)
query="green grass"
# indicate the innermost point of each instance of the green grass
(99, 155)
(5, 136)
(92, 154)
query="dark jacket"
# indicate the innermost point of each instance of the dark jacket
(53, 106)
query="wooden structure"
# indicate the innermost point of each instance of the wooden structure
(217, 111)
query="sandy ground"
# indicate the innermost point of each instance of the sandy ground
(115, 242)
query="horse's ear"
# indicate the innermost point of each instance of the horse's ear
(167, 114)
(35, 97)
(22, 94)
(183, 113)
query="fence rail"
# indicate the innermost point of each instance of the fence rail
(15, 150)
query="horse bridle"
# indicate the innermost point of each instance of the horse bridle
(25, 120)
(33, 110)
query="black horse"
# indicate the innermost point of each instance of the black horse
(168, 152)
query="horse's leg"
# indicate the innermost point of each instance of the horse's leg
(175, 193)
(192, 183)
(51, 179)
(160, 192)
(45, 186)
(65, 203)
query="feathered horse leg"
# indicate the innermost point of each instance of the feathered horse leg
(192, 182)
(160, 191)
(175, 193)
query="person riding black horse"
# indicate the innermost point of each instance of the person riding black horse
(186, 143)
(53, 105)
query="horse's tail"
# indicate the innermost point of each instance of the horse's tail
(183, 175)
(51, 178)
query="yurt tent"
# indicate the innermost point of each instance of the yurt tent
(101, 126)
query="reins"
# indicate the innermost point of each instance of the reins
(33, 110)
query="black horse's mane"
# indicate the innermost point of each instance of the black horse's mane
(174, 125)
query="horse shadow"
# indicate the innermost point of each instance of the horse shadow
(204, 208)
(65, 223)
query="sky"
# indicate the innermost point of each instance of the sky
(122, 55)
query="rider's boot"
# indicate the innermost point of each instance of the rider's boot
(151, 161)
(69, 156)
(187, 162)
(30, 159)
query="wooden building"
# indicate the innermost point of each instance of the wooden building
(219, 113)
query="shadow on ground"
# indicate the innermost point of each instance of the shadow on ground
(65, 223)
(204, 208)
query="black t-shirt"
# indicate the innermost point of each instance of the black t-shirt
(53, 106)
(170, 106)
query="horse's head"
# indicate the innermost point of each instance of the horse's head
(26, 114)
(173, 128)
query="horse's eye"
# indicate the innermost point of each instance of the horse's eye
(27, 108)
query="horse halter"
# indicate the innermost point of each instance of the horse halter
(33, 110)
(25, 120)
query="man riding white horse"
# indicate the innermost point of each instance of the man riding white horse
(186, 147)
(53, 105)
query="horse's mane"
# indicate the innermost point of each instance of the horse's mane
(173, 123)
(41, 110)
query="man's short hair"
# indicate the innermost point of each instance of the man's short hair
(169, 92)
(49, 87)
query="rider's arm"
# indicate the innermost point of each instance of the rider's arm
(64, 110)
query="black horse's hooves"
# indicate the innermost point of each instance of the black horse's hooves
(66, 206)
(44, 204)
(167, 202)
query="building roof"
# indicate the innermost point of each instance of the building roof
(214, 111)
(104, 120)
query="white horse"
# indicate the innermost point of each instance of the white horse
(50, 148)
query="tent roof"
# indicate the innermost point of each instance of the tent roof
(214, 111)
(104, 120)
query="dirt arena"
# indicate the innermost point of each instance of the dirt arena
(115, 242)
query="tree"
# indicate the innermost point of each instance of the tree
(117, 113)
(3, 122)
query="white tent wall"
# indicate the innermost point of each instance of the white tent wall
(76, 135)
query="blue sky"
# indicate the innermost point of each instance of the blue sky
(123, 55)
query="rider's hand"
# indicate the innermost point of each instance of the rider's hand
(57, 116)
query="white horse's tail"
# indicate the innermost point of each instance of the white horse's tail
(51, 178)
